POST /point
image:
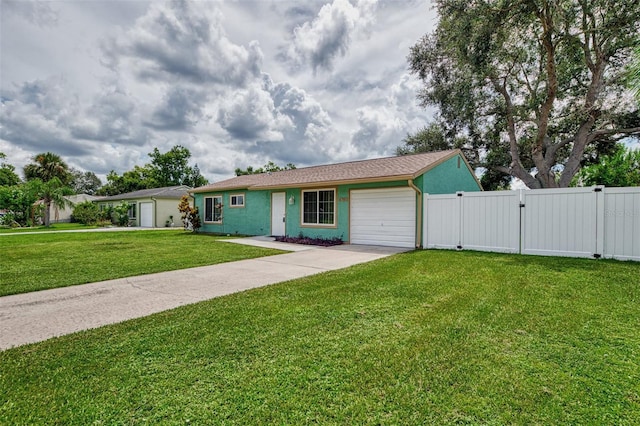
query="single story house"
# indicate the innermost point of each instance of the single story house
(375, 201)
(150, 208)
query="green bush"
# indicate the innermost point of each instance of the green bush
(122, 214)
(86, 213)
(9, 220)
(107, 215)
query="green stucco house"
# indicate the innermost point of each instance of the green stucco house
(376, 202)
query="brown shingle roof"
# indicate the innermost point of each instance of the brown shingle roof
(376, 170)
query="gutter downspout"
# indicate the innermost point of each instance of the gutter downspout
(155, 212)
(419, 221)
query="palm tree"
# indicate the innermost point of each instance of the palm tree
(46, 166)
(52, 191)
(54, 175)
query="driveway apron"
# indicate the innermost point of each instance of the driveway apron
(33, 317)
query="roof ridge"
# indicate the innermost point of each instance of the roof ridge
(413, 154)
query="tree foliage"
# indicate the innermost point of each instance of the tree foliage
(129, 181)
(84, 182)
(634, 73)
(172, 168)
(165, 169)
(530, 88)
(8, 176)
(19, 201)
(47, 166)
(622, 168)
(267, 168)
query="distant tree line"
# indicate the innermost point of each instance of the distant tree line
(267, 168)
(165, 169)
(49, 179)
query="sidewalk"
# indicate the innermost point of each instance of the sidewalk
(33, 317)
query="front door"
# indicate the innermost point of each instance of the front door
(278, 211)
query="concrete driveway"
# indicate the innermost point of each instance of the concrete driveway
(33, 317)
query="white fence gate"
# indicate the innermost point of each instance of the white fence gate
(576, 222)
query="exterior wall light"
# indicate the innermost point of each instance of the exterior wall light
(292, 200)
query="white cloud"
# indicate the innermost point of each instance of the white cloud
(180, 109)
(250, 115)
(36, 115)
(319, 42)
(184, 40)
(36, 12)
(113, 117)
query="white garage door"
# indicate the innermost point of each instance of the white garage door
(146, 215)
(384, 217)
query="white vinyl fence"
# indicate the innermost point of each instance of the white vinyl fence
(577, 222)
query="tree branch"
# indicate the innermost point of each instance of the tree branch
(537, 153)
(595, 135)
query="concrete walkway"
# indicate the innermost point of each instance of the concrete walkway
(33, 317)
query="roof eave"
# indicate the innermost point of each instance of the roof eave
(332, 182)
(226, 188)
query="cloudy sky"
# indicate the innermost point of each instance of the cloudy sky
(237, 82)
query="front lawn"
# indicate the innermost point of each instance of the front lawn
(63, 226)
(42, 261)
(428, 337)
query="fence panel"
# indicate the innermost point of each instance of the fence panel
(491, 221)
(622, 223)
(442, 221)
(560, 222)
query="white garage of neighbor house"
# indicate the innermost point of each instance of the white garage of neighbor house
(150, 208)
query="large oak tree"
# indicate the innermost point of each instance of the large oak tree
(532, 89)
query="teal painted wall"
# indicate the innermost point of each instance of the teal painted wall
(255, 217)
(248, 220)
(448, 178)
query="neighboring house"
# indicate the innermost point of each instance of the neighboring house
(59, 214)
(150, 208)
(375, 201)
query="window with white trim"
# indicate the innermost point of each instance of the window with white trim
(236, 200)
(318, 207)
(132, 210)
(213, 209)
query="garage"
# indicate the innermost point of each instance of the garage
(146, 215)
(383, 216)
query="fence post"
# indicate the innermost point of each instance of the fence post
(600, 211)
(460, 216)
(521, 206)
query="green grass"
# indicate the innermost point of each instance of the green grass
(63, 226)
(43, 261)
(429, 337)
